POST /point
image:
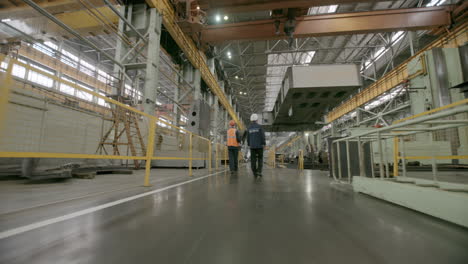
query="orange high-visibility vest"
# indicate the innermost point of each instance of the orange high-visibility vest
(231, 138)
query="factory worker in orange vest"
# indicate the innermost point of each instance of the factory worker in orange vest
(233, 143)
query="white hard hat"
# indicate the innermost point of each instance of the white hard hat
(254, 117)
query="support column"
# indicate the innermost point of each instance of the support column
(176, 110)
(214, 121)
(152, 64)
(120, 50)
(413, 43)
(358, 116)
(197, 84)
(334, 132)
(211, 65)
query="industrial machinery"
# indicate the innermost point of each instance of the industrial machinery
(308, 91)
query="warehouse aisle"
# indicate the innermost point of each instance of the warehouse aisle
(285, 218)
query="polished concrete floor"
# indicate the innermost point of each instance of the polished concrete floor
(285, 218)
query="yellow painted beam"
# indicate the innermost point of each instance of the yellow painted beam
(193, 54)
(22, 10)
(82, 20)
(461, 102)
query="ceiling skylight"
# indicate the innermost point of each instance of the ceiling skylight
(322, 10)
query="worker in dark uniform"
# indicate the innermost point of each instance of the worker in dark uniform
(233, 143)
(256, 141)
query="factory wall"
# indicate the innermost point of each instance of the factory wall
(35, 123)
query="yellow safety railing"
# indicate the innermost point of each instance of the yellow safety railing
(271, 160)
(300, 160)
(46, 122)
(401, 152)
(289, 142)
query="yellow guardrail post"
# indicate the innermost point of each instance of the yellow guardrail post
(190, 154)
(150, 150)
(302, 162)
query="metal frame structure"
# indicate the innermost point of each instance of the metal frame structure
(399, 129)
(164, 7)
(397, 76)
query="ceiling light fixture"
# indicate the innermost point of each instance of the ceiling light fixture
(218, 18)
(226, 17)
(198, 7)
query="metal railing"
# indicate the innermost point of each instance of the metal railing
(424, 142)
(35, 124)
(300, 160)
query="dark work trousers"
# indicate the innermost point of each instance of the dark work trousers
(256, 161)
(233, 158)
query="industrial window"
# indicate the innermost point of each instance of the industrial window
(128, 89)
(102, 101)
(48, 48)
(69, 59)
(39, 78)
(322, 10)
(396, 37)
(18, 71)
(103, 76)
(3, 66)
(84, 95)
(65, 88)
(139, 95)
(161, 123)
(87, 68)
(435, 3)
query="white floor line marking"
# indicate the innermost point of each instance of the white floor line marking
(22, 229)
